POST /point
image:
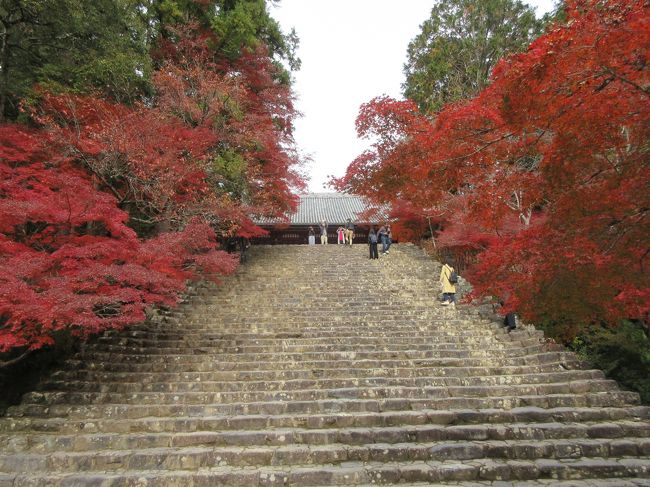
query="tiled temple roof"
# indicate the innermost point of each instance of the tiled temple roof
(335, 208)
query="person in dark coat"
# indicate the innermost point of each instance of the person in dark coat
(510, 321)
(372, 243)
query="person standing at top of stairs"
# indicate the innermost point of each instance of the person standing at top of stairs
(340, 236)
(382, 234)
(389, 238)
(349, 231)
(372, 243)
(323, 232)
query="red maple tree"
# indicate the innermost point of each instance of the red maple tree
(545, 171)
(69, 261)
(106, 209)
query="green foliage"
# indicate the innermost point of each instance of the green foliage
(239, 25)
(622, 352)
(97, 46)
(557, 15)
(229, 169)
(104, 46)
(453, 56)
(169, 11)
(245, 24)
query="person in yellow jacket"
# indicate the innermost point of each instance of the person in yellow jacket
(448, 288)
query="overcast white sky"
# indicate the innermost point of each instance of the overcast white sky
(351, 51)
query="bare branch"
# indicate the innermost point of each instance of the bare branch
(20, 358)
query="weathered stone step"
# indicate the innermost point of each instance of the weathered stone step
(398, 293)
(294, 345)
(318, 300)
(102, 373)
(197, 354)
(313, 317)
(461, 418)
(606, 439)
(328, 326)
(139, 345)
(390, 301)
(207, 363)
(129, 410)
(333, 453)
(421, 288)
(353, 311)
(318, 303)
(355, 392)
(324, 307)
(341, 328)
(353, 473)
(171, 327)
(333, 336)
(400, 281)
(270, 305)
(181, 384)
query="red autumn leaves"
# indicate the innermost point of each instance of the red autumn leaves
(545, 172)
(75, 188)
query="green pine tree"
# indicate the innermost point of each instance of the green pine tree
(458, 46)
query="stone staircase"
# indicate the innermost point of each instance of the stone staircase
(317, 366)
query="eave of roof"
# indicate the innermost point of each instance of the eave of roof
(334, 208)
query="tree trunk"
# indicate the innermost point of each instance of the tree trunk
(4, 70)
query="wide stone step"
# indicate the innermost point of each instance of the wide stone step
(206, 363)
(353, 473)
(453, 418)
(196, 354)
(172, 458)
(325, 317)
(154, 347)
(342, 328)
(340, 405)
(434, 321)
(299, 336)
(180, 384)
(108, 373)
(355, 392)
(176, 332)
(324, 305)
(328, 308)
(321, 304)
(616, 438)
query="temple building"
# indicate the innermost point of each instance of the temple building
(334, 208)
